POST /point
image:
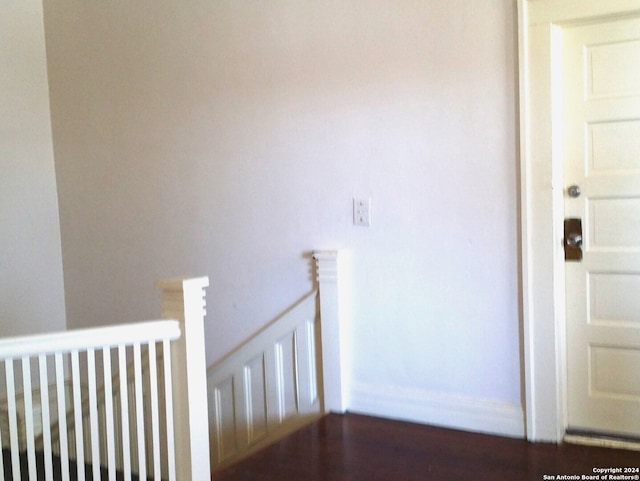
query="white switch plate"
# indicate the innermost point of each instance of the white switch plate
(362, 211)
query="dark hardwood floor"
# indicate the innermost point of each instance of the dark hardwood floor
(354, 447)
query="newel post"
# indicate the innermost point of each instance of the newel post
(184, 300)
(332, 340)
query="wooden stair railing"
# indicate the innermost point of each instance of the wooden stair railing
(117, 403)
(130, 414)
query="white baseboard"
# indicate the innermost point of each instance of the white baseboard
(438, 409)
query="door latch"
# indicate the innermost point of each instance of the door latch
(573, 239)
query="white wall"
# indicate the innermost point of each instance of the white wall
(31, 282)
(228, 138)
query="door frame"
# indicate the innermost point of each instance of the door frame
(540, 25)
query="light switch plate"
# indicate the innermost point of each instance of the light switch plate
(362, 211)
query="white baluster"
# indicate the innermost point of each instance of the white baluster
(137, 368)
(46, 417)
(155, 427)
(28, 416)
(133, 425)
(77, 411)
(13, 426)
(124, 412)
(108, 407)
(168, 394)
(93, 414)
(62, 417)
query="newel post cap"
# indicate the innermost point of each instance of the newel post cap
(180, 283)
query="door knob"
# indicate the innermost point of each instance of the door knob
(574, 240)
(574, 191)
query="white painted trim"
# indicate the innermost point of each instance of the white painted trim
(333, 331)
(267, 387)
(438, 409)
(185, 301)
(285, 375)
(83, 339)
(541, 214)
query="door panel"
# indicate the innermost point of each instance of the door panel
(611, 376)
(614, 299)
(601, 149)
(614, 147)
(611, 67)
(610, 220)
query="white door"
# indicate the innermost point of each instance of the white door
(601, 152)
